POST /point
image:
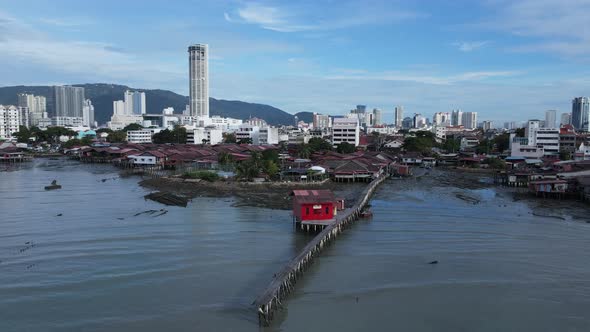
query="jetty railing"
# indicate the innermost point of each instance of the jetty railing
(284, 281)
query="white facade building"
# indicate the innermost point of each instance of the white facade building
(550, 117)
(469, 120)
(198, 56)
(469, 142)
(247, 132)
(268, 136)
(321, 121)
(209, 135)
(486, 125)
(548, 139)
(529, 131)
(88, 114)
(398, 116)
(9, 121)
(521, 147)
(37, 106)
(456, 117)
(345, 130)
(377, 117)
(256, 122)
(134, 103)
(142, 136)
(68, 101)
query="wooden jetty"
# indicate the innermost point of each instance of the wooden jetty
(284, 281)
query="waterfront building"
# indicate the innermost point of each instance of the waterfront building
(520, 147)
(550, 117)
(311, 206)
(567, 139)
(68, 101)
(345, 130)
(548, 139)
(398, 116)
(207, 135)
(9, 121)
(199, 80)
(566, 119)
(580, 113)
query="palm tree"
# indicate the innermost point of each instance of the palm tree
(304, 151)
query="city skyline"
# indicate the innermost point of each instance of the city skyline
(298, 57)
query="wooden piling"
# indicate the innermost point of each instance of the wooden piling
(283, 282)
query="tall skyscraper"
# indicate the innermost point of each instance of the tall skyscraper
(456, 118)
(118, 107)
(37, 106)
(469, 120)
(566, 119)
(550, 117)
(399, 116)
(134, 103)
(88, 114)
(487, 125)
(377, 117)
(580, 113)
(198, 58)
(68, 101)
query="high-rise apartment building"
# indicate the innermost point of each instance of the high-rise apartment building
(135, 103)
(321, 121)
(198, 56)
(9, 120)
(580, 113)
(486, 125)
(68, 101)
(550, 118)
(456, 118)
(566, 119)
(377, 117)
(37, 106)
(88, 113)
(399, 116)
(469, 120)
(441, 119)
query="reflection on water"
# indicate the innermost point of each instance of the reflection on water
(86, 258)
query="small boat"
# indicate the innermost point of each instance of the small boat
(366, 214)
(53, 186)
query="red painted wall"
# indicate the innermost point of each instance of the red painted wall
(309, 213)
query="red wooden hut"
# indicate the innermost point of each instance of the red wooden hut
(313, 205)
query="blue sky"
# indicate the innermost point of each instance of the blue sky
(507, 60)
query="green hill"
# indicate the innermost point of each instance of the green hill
(103, 95)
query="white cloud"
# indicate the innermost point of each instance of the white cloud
(66, 23)
(423, 78)
(470, 46)
(297, 18)
(558, 26)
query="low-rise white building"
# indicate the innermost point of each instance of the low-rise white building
(207, 135)
(268, 136)
(67, 121)
(247, 132)
(469, 142)
(119, 122)
(142, 135)
(345, 130)
(382, 130)
(548, 139)
(519, 147)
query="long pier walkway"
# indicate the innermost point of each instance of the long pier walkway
(284, 281)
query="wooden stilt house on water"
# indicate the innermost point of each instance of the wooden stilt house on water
(315, 208)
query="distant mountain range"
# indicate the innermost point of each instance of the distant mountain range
(103, 95)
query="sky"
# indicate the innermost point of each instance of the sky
(506, 60)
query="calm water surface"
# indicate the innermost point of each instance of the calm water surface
(98, 267)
